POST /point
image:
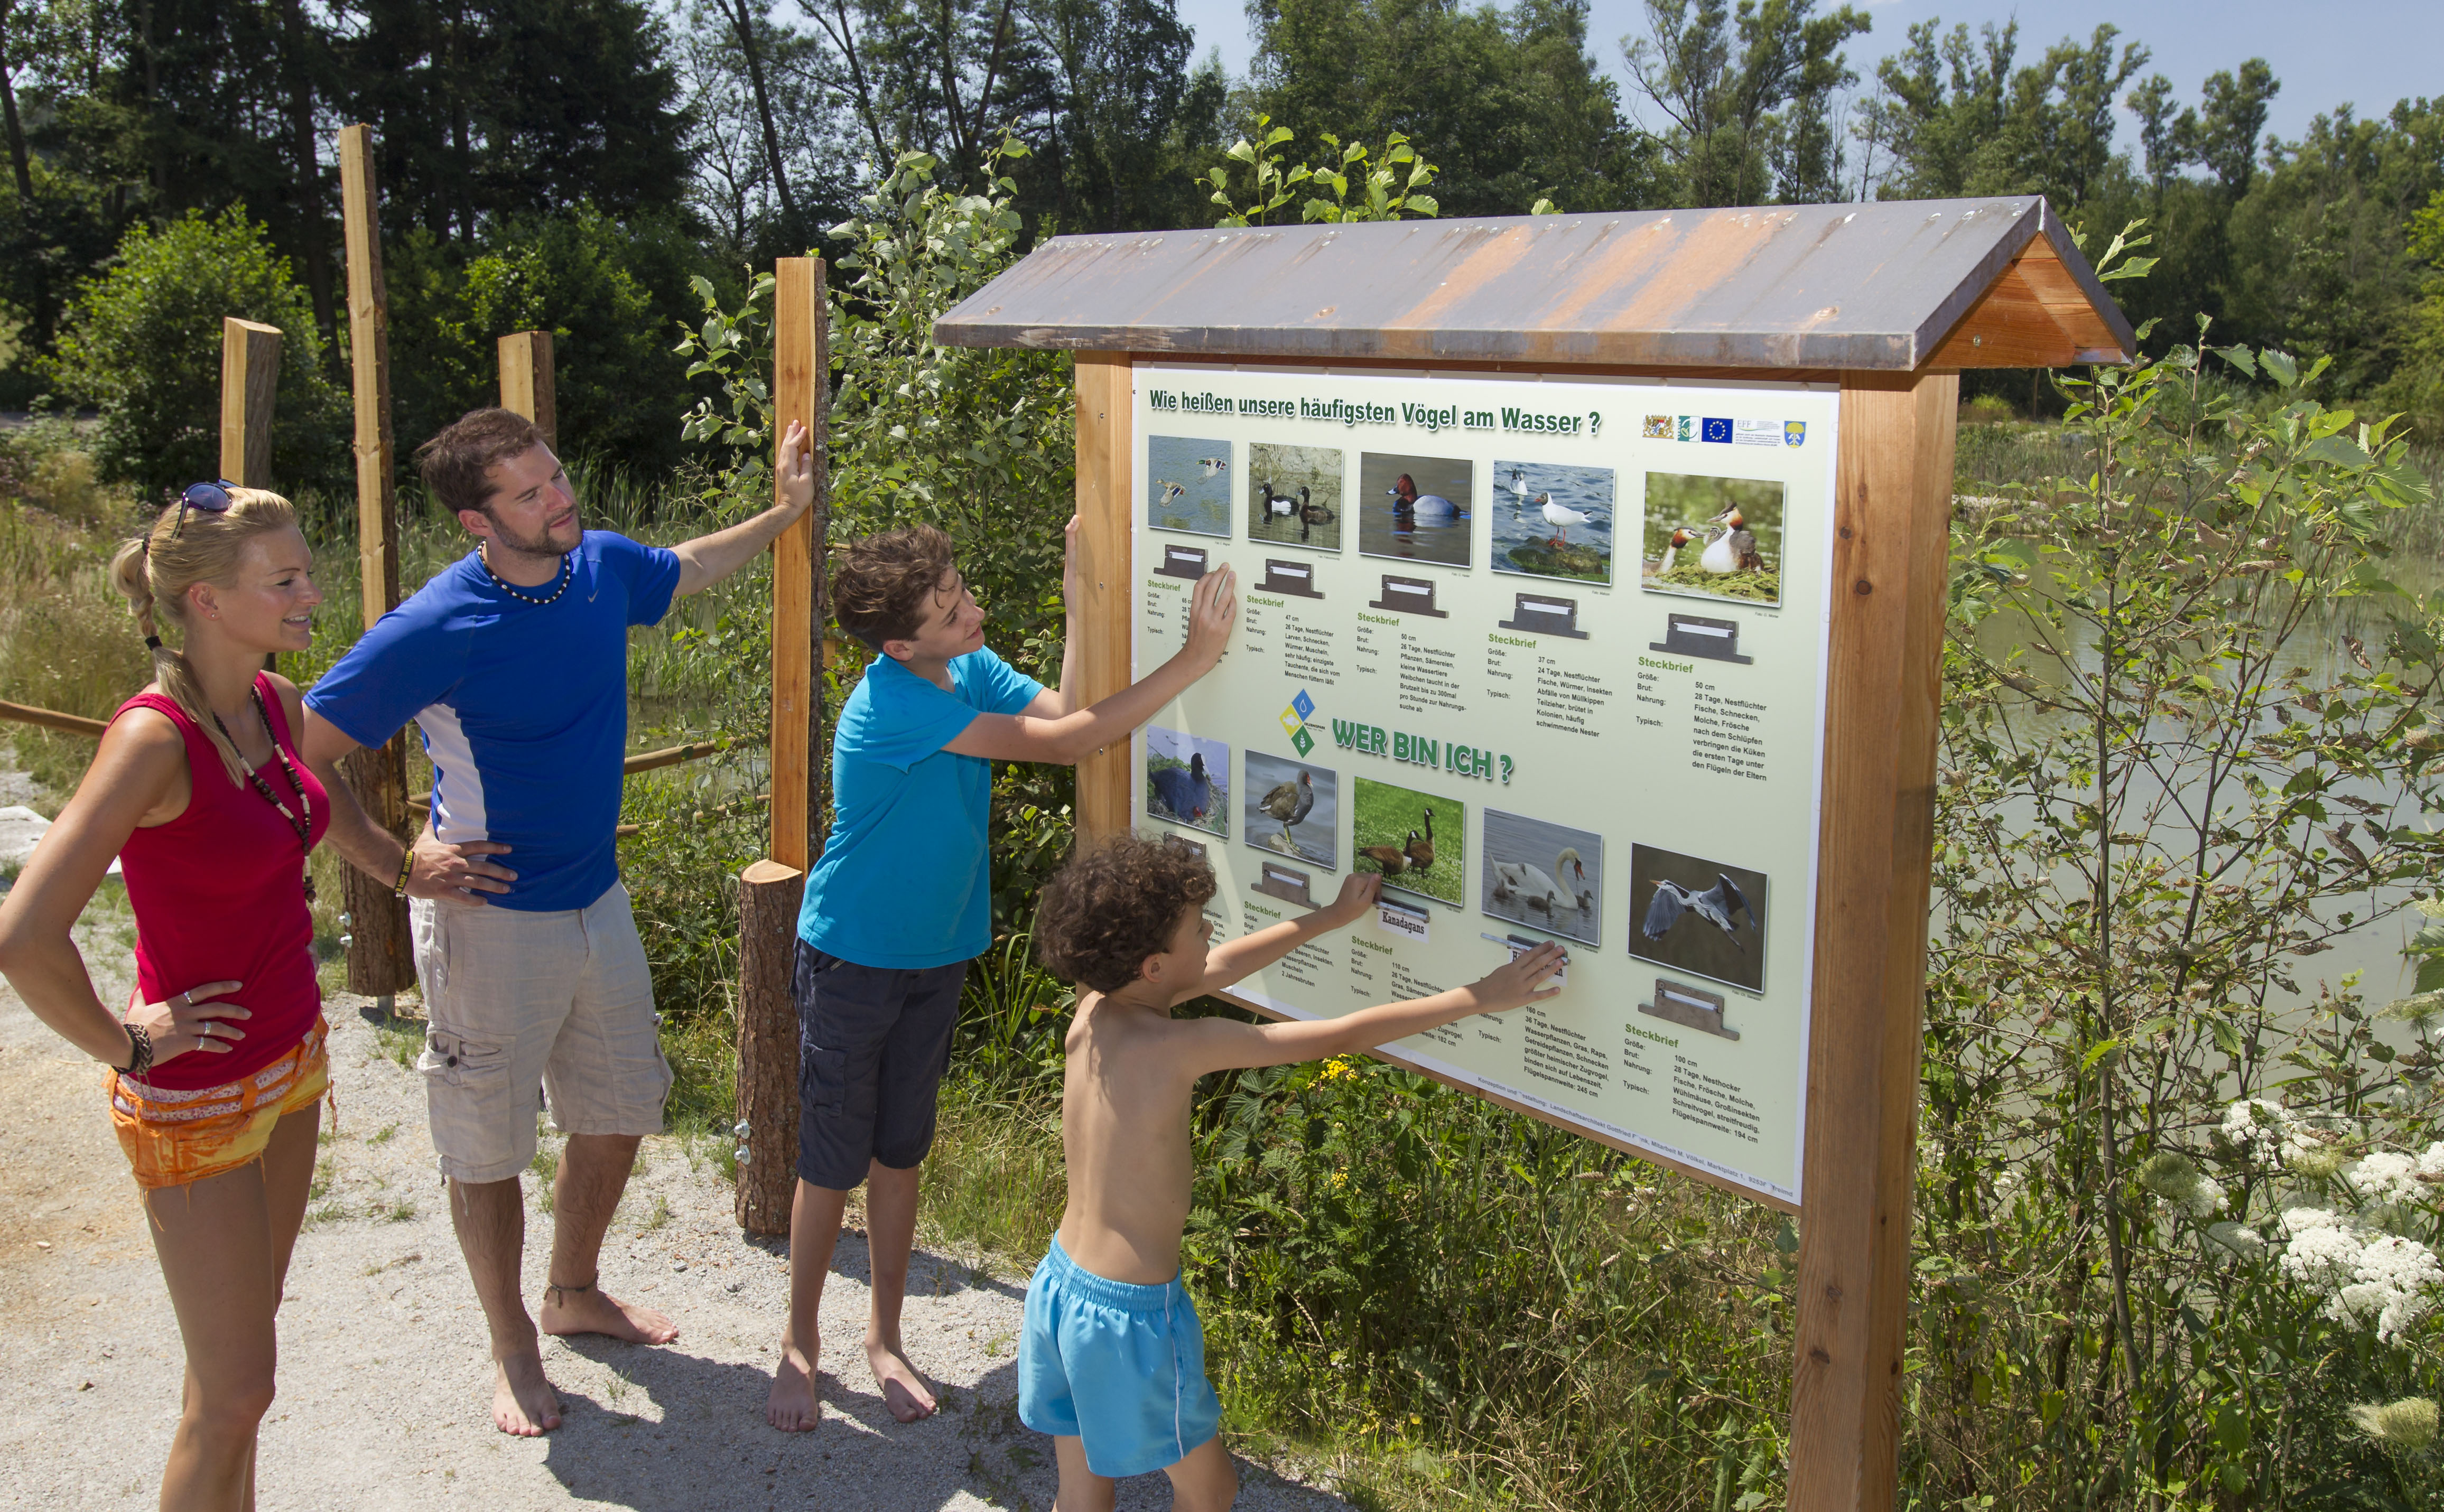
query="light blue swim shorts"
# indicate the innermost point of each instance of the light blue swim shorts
(1119, 1366)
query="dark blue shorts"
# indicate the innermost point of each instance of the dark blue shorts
(873, 1042)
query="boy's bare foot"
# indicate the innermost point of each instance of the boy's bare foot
(522, 1402)
(903, 1390)
(793, 1407)
(598, 1312)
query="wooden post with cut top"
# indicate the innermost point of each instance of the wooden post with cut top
(526, 381)
(769, 891)
(250, 383)
(1106, 446)
(379, 959)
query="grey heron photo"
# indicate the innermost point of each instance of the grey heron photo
(1702, 917)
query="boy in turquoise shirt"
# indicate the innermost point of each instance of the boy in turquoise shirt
(900, 904)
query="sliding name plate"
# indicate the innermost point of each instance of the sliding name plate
(1696, 636)
(1182, 561)
(1291, 577)
(1542, 615)
(1689, 1008)
(1286, 883)
(1410, 596)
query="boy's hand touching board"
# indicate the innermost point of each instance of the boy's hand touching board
(1212, 610)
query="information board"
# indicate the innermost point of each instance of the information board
(1548, 653)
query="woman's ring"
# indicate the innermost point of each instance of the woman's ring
(188, 998)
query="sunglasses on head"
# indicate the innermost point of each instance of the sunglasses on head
(212, 498)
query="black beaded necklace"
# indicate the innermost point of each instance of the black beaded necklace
(304, 827)
(566, 574)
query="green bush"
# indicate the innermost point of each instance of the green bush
(143, 343)
(613, 296)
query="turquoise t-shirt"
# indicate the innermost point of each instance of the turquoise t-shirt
(903, 883)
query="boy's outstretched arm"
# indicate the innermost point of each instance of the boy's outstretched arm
(1225, 963)
(1223, 1045)
(1070, 738)
(1055, 702)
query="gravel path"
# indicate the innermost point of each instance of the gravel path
(385, 1383)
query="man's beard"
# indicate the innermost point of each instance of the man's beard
(539, 545)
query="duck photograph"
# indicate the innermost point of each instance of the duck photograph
(1714, 537)
(1292, 808)
(1188, 780)
(1695, 916)
(1415, 508)
(1293, 495)
(1548, 876)
(1188, 484)
(1552, 522)
(1417, 840)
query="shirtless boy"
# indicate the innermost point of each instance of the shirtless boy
(1111, 1361)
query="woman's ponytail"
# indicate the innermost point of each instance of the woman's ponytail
(153, 571)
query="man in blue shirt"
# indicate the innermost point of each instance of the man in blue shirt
(898, 905)
(513, 662)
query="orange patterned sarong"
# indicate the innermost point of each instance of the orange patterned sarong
(174, 1139)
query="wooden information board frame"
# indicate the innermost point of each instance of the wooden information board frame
(1930, 289)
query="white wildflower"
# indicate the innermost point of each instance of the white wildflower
(2407, 1426)
(2432, 1162)
(2206, 1198)
(2238, 1238)
(2324, 1253)
(2397, 1277)
(2258, 1127)
(2384, 1176)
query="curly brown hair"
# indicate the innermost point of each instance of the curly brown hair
(1113, 906)
(457, 463)
(886, 583)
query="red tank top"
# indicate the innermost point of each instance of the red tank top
(219, 897)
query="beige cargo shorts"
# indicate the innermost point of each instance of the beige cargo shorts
(519, 1001)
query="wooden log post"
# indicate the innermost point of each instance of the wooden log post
(380, 962)
(1892, 502)
(1106, 457)
(526, 381)
(250, 383)
(771, 890)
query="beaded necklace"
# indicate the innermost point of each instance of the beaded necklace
(304, 827)
(566, 574)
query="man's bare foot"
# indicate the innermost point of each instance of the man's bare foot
(522, 1402)
(594, 1311)
(903, 1390)
(793, 1407)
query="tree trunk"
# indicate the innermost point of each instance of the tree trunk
(769, 895)
(379, 961)
(744, 20)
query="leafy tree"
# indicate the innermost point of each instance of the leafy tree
(1388, 188)
(143, 343)
(1748, 95)
(1508, 99)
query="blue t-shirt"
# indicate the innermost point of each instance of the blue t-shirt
(903, 883)
(524, 708)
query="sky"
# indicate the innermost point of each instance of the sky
(2366, 52)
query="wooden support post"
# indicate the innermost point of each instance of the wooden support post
(379, 959)
(1893, 490)
(527, 383)
(1107, 454)
(769, 895)
(250, 383)
(769, 891)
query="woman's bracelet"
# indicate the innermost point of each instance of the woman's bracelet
(140, 1051)
(406, 864)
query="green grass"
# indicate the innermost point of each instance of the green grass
(994, 1181)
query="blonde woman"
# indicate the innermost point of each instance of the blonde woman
(217, 1064)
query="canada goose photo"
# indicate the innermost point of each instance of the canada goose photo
(1422, 852)
(1389, 859)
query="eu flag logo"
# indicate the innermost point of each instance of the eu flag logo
(1718, 430)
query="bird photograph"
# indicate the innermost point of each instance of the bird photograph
(1697, 916)
(1416, 839)
(1292, 809)
(1553, 521)
(1188, 780)
(1187, 484)
(1714, 537)
(1540, 873)
(1295, 496)
(1416, 508)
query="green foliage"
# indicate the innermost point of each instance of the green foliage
(143, 343)
(1383, 191)
(1750, 97)
(608, 291)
